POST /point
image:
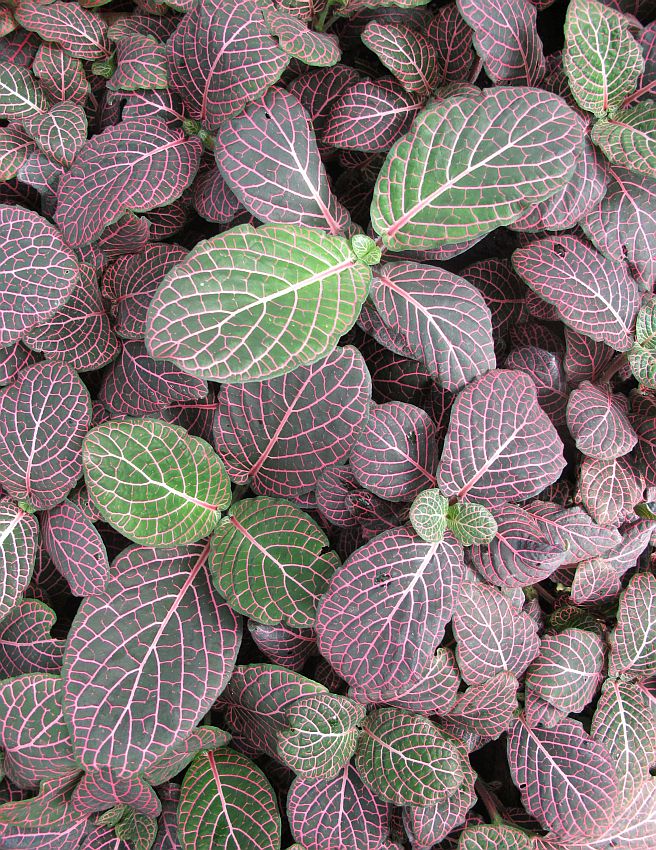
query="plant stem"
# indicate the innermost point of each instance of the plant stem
(613, 367)
(488, 800)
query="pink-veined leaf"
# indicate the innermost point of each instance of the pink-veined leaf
(298, 40)
(601, 58)
(137, 165)
(269, 157)
(428, 825)
(593, 294)
(20, 94)
(255, 704)
(567, 780)
(623, 224)
(452, 41)
(594, 580)
(177, 757)
(633, 827)
(492, 636)
(502, 289)
(167, 831)
(60, 132)
(80, 32)
(333, 490)
(441, 317)
(598, 423)
(79, 333)
(395, 454)
(568, 670)
(610, 489)
(325, 813)
(141, 65)
(103, 838)
(625, 723)
(19, 536)
(226, 802)
(283, 645)
(130, 283)
(269, 561)
(282, 433)
(574, 531)
(635, 538)
(172, 642)
(406, 52)
(407, 759)
(643, 420)
(33, 731)
(15, 147)
(506, 39)
(317, 90)
(486, 709)
(136, 385)
(213, 199)
(520, 453)
(76, 548)
(370, 116)
(178, 481)
(100, 788)
(322, 735)
(257, 288)
(44, 416)
(25, 642)
(434, 692)
(457, 204)
(545, 369)
(628, 138)
(396, 593)
(585, 359)
(222, 57)
(633, 642)
(38, 272)
(584, 191)
(61, 76)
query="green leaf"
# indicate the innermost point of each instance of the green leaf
(269, 561)
(406, 759)
(138, 830)
(227, 803)
(494, 837)
(153, 482)
(471, 523)
(629, 139)
(602, 60)
(323, 735)
(642, 357)
(365, 249)
(471, 164)
(428, 515)
(254, 304)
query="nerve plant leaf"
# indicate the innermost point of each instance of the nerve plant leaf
(642, 356)
(633, 642)
(567, 780)
(172, 642)
(602, 59)
(628, 139)
(255, 304)
(26, 645)
(38, 272)
(520, 452)
(322, 736)
(395, 593)
(442, 319)
(153, 482)
(269, 562)
(506, 39)
(137, 165)
(395, 455)
(492, 636)
(298, 40)
(456, 204)
(273, 137)
(222, 57)
(610, 490)
(471, 523)
(19, 536)
(80, 32)
(592, 294)
(406, 759)
(226, 802)
(406, 52)
(573, 531)
(60, 132)
(428, 515)
(340, 812)
(20, 94)
(44, 417)
(598, 423)
(280, 434)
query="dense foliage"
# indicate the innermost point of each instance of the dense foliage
(327, 424)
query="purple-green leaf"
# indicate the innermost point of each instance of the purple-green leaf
(80, 32)
(25, 642)
(19, 535)
(633, 642)
(599, 423)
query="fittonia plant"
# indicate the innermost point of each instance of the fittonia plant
(328, 425)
